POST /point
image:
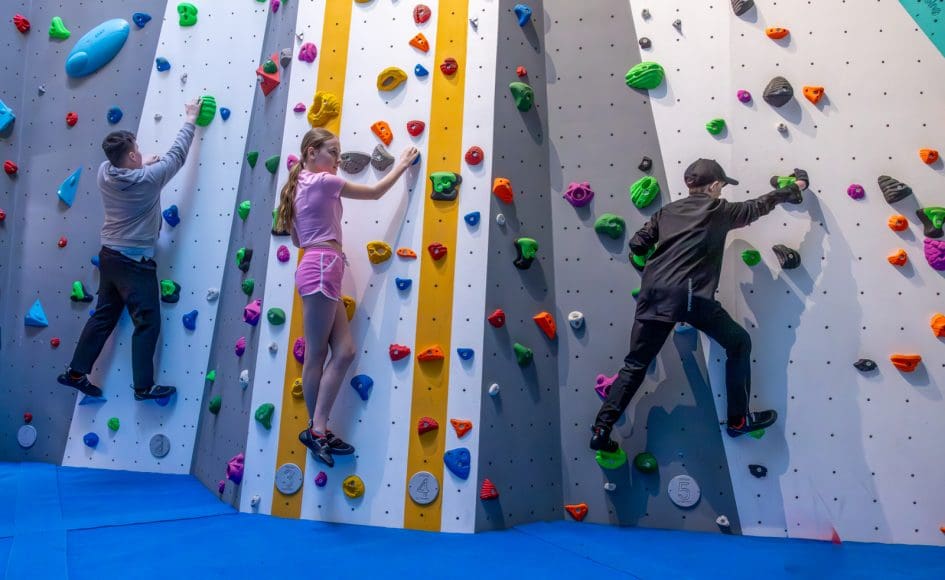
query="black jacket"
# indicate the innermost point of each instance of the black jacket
(691, 236)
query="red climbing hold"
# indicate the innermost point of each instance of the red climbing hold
(906, 363)
(72, 118)
(521, 71)
(928, 156)
(383, 132)
(577, 510)
(415, 128)
(474, 155)
(502, 188)
(55, 342)
(268, 81)
(62, 242)
(462, 426)
(21, 23)
(10, 168)
(27, 417)
(420, 42)
(3, 215)
(546, 322)
(431, 353)
(437, 250)
(421, 13)
(449, 66)
(427, 424)
(497, 318)
(488, 490)
(835, 537)
(398, 351)
(406, 253)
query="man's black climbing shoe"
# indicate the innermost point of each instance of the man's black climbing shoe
(154, 392)
(80, 383)
(601, 440)
(752, 422)
(319, 446)
(337, 446)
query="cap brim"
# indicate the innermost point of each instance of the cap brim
(730, 181)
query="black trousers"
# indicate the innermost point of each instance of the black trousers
(646, 340)
(123, 283)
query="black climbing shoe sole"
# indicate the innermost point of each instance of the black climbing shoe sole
(337, 446)
(753, 422)
(320, 448)
(155, 392)
(601, 441)
(81, 384)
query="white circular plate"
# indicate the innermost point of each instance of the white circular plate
(289, 478)
(423, 487)
(684, 491)
(26, 436)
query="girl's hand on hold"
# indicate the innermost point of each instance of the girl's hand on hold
(407, 156)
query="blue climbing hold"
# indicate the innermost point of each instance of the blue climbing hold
(224, 113)
(162, 64)
(91, 312)
(36, 316)
(416, 159)
(458, 461)
(90, 439)
(68, 188)
(6, 117)
(465, 353)
(97, 48)
(115, 115)
(163, 401)
(403, 283)
(524, 13)
(94, 260)
(90, 400)
(472, 218)
(140, 19)
(190, 320)
(171, 216)
(684, 327)
(420, 71)
(362, 384)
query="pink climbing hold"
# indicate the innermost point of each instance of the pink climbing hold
(300, 108)
(744, 96)
(274, 5)
(221, 486)
(283, 253)
(935, 253)
(252, 312)
(298, 349)
(579, 194)
(308, 52)
(321, 479)
(240, 346)
(234, 469)
(856, 191)
(291, 161)
(603, 385)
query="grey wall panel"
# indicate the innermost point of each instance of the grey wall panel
(48, 151)
(519, 433)
(599, 131)
(221, 436)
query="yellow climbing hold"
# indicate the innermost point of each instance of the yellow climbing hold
(353, 486)
(378, 251)
(350, 305)
(390, 78)
(325, 107)
(297, 389)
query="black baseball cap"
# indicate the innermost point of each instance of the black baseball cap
(705, 171)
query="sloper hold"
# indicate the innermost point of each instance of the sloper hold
(932, 219)
(90, 439)
(383, 132)
(362, 385)
(602, 385)
(353, 486)
(644, 191)
(381, 159)
(787, 257)
(893, 189)
(390, 78)
(526, 249)
(740, 7)
(751, 257)
(458, 461)
(577, 510)
(935, 253)
(68, 188)
(445, 185)
(461, 426)
(6, 117)
(523, 13)
(856, 191)
(308, 52)
(97, 47)
(431, 353)
(523, 95)
(906, 363)
(264, 414)
(502, 188)
(426, 424)
(379, 251)
(488, 490)
(865, 365)
(354, 161)
(208, 109)
(546, 322)
(36, 317)
(611, 225)
(171, 216)
(645, 76)
(325, 107)
(778, 92)
(579, 194)
(497, 318)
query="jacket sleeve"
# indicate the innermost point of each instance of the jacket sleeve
(739, 214)
(646, 237)
(164, 170)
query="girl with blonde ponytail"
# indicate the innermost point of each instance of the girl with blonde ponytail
(310, 210)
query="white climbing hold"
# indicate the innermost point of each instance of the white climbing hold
(576, 320)
(255, 501)
(494, 390)
(244, 378)
(722, 521)
(474, 22)
(158, 116)
(500, 219)
(645, 13)
(782, 128)
(183, 79)
(212, 294)
(610, 486)
(273, 347)
(42, 90)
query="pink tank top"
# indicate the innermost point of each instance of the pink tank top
(318, 208)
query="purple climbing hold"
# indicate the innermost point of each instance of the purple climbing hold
(744, 96)
(240, 346)
(298, 349)
(321, 479)
(274, 5)
(221, 486)
(603, 385)
(90, 439)
(300, 108)
(234, 469)
(856, 191)
(283, 253)
(308, 52)
(252, 312)
(362, 384)
(579, 194)
(935, 253)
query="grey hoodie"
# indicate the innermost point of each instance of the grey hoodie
(132, 197)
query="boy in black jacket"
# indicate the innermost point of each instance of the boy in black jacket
(680, 277)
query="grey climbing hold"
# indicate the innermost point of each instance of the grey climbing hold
(646, 164)
(26, 436)
(778, 92)
(677, 24)
(645, 13)
(865, 365)
(381, 159)
(893, 189)
(289, 478)
(285, 57)
(684, 491)
(740, 7)
(160, 445)
(423, 487)
(782, 128)
(354, 161)
(645, 42)
(787, 257)
(758, 470)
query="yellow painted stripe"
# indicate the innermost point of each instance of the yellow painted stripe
(331, 78)
(435, 300)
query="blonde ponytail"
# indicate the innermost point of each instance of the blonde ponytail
(285, 215)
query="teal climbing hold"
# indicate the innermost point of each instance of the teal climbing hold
(97, 48)
(611, 460)
(252, 157)
(264, 415)
(644, 191)
(646, 75)
(68, 188)
(36, 316)
(6, 117)
(272, 164)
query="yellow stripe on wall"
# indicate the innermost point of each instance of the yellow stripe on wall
(435, 300)
(331, 78)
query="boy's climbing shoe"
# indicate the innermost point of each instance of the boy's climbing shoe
(337, 446)
(79, 382)
(601, 440)
(752, 422)
(319, 446)
(154, 392)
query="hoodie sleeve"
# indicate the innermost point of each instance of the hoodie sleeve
(741, 213)
(646, 237)
(164, 170)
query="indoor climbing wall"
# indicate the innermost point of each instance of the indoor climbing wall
(853, 452)
(600, 132)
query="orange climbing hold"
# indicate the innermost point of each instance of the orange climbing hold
(898, 223)
(488, 490)
(905, 362)
(577, 510)
(406, 253)
(546, 322)
(268, 81)
(898, 258)
(462, 426)
(427, 424)
(497, 318)
(431, 353)
(420, 42)
(814, 94)
(383, 132)
(776, 32)
(502, 188)
(928, 156)
(938, 324)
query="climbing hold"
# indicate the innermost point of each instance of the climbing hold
(906, 363)
(297, 389)
(715, 126)
(421, 13)
(576, 319)
(298, 349)
(6, 117)
(776, 33)
(458, 461)
(248, 286)
(743, 96)
(321, 479)
(502, 188)
(113, 424)
(500, 219)
(577, 511)
(252, 157)
(465, 353)
(472, 218)
(494, 390)
(523, 354)
(161, 64)
(243, 258)
(72, 118)
(244, 379)
(932, 219)
(190, 320)
(579, 194)
(898, 258)
(928, 156)
(611, 460)
(526, 249)
(398, 351)
(722, 522)
(80, 293)
(546, 322)
(751, 257)
(403, 283)
(390, 78)
(420, 42)
(140, 19)
(10, 168)
(813, 94)
(282, 254)
(273, 347)
(893, 189)
(354, 161)
(445, 185)
(898, 223)
(378, 251)
(362, 385)
(787, 257)
(187, 13)
(427, 424)
(21, 23)
(353, 486)
(742, 6)
(264, 415)
(381, 159)
(856, 191)
(937, 324)
(272, 164)
(778, 92)
(646, 462)
(497, 318)
(57, 29)
(415, 128)
(114, 115)
(523, 95)
(420, 71)
(865, 365)
(488, 490)
(215, 404)
(645, 42)
(54, 342)
(406, 253)
(208, 108)
(645, 76)
(252, 312)
(240, 346)
(523, 13)
(308, 52)
(90, 439)
(758, 470)
(243, 210)
(235, 468)
(935, 253)
(474, 155)
(611, 225)
(383, 132)
(677, 24)
(63, 242)
(437, 251)
(431, 353)
(602, 385)
(684, 491)
(461, 426)
(36, 316)
(449, 66)
(644, 191)
(521, 71)
(274, 5)
(275, 316)
(325, 107)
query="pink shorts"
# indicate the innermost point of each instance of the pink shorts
(320, 270)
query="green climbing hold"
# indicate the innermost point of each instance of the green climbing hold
(715, 126)
(170, 291)
(635, 293)
(523, 354)
(212, 375)
(114, 423)
(57, 29)
(751, 257)
(252, 157)
(187, 13)
(272, 164)
(527, 249)
(609, 460)
(264, 414)
(78, 292)
(757, 434)
(935, 216)
(444, 185)
(646, 462)
(215, 404)
(640, 261)
(781, 182)
(523, 94)
(269, 67)
(243, 209)
(644, 191)
(248, 286)
(275, 316)
(646, 75)
(610, 224)
(208, 110)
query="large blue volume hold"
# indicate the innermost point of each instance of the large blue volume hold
(97, 48)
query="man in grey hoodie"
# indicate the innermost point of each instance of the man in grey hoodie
(131, 193)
